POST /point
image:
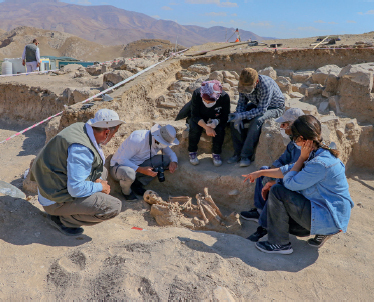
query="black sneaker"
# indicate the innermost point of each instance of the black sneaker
(258, 234)
(318, 240)
(131, 197)
(137, 187)
(269, 248)
(251, 215)
(68, 231)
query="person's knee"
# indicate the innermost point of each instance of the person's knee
(125, 173)
(276, 191)
(108, 207)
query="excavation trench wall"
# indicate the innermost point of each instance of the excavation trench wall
(295, 60)
(136, 103)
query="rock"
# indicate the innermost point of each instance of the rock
(286, 97)
(228, 75)
(116, 77)
(269, 71)
(321, 74)
(296, 95)
(270, 145)
(179, 86)
(302, 88)
(307, 108)
(323, 107)
(226, 87)
(331, 86)
(355, 89)
(232, 82)
(334, 104)
(217, 75)
(301, 76)
(193, 86)
(186, 79)
(94, 70)
(200, 69)
(296, 87)
(284, 84)
(340, 133)
(284, 72)
(186, 73)
(28, 185)
(235, 75)
(313, 90)
(234, 192)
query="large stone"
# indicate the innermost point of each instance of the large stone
(217, 75)
(179, 86)
(307, 108)
(226, 87)
(334, 104)
(94, 70)
(270, 145)
(235, 75)
(115, 77)
(331, 86)
(301, 76)
(193, 86)
(356, 93)
(284, 84)
(186, 73)
(321, 74)
(312, 90)
(232, 82)
(228, 75)
(323, 107)
(269, 71)
(200, 69)
(296, 95)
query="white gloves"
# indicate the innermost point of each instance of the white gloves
(213, 123)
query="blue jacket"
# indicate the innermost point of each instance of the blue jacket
(323, 182)
(290, 155)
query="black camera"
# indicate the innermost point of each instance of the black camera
(160, 173)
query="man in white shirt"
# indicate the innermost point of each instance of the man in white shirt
(31, 56)
(134, 163)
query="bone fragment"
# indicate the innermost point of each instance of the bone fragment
(198, 198)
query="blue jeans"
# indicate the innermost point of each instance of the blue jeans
(284, 205)
(246, 141)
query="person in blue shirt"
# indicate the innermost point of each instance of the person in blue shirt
(263, 184)
(315, 191)
(260, 98)
(71, 177)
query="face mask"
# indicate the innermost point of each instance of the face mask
(209, 105)
(283, 133)
(105, 141)
(161, 146)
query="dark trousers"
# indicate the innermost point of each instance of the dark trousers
(282, 206)
(195, 134)
(246, 141)
(259, 202)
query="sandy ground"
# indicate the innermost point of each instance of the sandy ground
(114, 262)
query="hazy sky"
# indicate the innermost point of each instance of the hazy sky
(282, 19)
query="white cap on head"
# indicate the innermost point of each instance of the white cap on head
(290, 115)
(105, 118)
(166, 135)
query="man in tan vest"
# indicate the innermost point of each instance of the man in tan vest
(70, 175)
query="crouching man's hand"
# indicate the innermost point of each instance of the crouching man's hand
(106, 187)
(266, 189)
(173, 167)
(147, 170)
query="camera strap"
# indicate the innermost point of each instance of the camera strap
(150, 151)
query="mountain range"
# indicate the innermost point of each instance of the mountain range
(106, 24)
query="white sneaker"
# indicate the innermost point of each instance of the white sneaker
(217, 161)
(193, 158)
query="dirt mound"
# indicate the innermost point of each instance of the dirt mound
(145, 46)
(55, 43)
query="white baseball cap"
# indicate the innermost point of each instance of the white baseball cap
(105, 118)
(290, 115)
(166, 135)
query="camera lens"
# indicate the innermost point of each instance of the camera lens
(160, 174)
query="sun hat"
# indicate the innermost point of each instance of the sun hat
(247, 79)
(166, 135)
(290, 115)
(105, 118)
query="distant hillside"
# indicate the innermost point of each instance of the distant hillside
(106, 24)
(55, 43)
